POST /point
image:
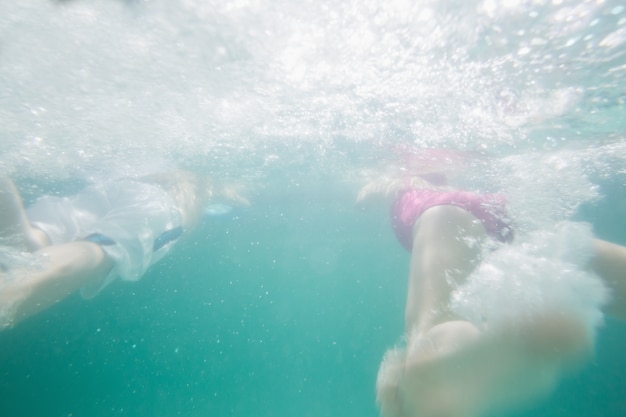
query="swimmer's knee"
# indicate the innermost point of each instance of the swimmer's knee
(36, 238)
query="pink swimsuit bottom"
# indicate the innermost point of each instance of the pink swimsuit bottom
(490, 209)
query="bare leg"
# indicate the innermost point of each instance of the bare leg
(63, 270)
(446, 249)
(609, 262)
(450, 368)
(13, 223)
(60, 270)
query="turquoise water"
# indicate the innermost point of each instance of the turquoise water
(287, 308)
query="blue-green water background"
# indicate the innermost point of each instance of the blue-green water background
(285, 308)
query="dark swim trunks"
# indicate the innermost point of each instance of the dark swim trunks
(410, 204)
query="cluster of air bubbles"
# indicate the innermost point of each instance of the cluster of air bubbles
(249, 88)
(541, 272)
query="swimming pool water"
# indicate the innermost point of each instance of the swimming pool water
(286, 308)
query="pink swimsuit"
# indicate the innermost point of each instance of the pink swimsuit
(488, 208)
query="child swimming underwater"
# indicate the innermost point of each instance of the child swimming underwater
(490, 324)
(117, 229)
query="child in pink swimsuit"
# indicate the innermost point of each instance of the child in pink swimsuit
(450, 365)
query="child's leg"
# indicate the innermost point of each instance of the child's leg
(609, 262)
(447, 244)
(13, 221)
(63, 270)
(450, 368)
(455, 371)
(446, 249)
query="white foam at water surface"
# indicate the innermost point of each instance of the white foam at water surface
(248, 87)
